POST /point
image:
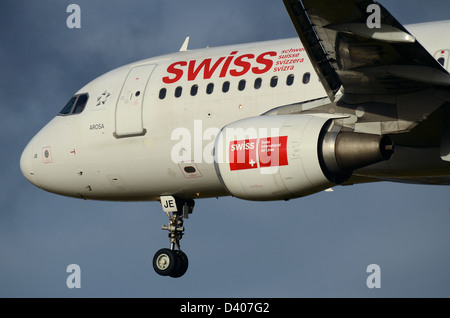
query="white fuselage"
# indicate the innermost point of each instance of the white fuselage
(148, 128)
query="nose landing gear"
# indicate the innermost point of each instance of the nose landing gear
(173, 262)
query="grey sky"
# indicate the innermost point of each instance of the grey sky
(319, 246)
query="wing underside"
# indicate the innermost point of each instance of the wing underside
(346, 52)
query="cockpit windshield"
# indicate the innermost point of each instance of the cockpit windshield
(75, 105)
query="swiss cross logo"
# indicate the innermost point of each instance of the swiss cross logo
(249, 154)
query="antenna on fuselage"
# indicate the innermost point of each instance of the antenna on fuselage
(184, 47)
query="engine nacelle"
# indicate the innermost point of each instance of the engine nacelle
(282, 157)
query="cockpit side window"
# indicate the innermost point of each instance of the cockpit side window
(81, 104)
(75, 105)
(68, 108)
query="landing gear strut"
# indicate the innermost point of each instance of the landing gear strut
(173, 261)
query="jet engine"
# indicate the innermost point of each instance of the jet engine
(289, 156)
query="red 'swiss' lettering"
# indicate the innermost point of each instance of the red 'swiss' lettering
(243, 154)
(244, 66)
(206, 66)
(175, 71)
(268, 63)
(232, 65)
(225, 67)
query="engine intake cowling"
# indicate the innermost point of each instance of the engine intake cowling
(282, 157)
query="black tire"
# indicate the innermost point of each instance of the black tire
(183, 264)
(165, 262)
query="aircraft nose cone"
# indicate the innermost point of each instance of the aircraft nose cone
(26, 164)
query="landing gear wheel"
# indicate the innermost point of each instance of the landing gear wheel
(182, 267)
(165, 262)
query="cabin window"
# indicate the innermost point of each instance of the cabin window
(210, 88)
(226, 87)
(442, 61)
(274, 81)
(241, 85)
(258, 83)
(178, 91)
(75, 105)
(162, 93)
(194, 90)
(290, 80)
(306, 78)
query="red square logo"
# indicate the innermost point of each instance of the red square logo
(242, 154)
(273, 152)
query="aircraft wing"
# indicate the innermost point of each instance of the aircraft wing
(346, 52)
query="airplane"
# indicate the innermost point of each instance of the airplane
(355, 98)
